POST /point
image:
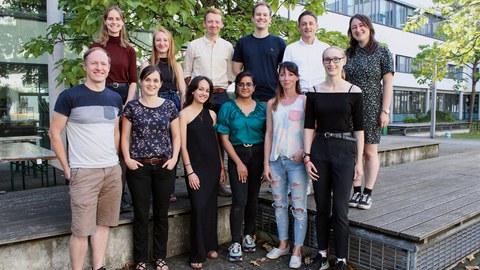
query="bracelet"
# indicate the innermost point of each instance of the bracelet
(187, 165)
(223, 168)
(306, 162)
(188, 174)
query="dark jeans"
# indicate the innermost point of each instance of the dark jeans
(217, 100)
(245, 195)
(335, 163)
(122, 91)
(150, 181)
(172, 95)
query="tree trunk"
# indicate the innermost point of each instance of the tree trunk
(474, 92)
(472, 101)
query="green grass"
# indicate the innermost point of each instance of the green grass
(473, 135)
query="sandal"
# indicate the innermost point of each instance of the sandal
(196, 265)
(162, 264)
(212, 254)
(141, 266)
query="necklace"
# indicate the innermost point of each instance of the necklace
(200, 115)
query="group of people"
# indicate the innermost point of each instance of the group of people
(290, 121)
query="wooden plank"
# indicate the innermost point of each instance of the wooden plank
(403, 202)
(441, 212)
(440, 223)
(416, 205)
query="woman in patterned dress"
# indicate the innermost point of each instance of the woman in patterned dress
(150, 155)
(370, 67)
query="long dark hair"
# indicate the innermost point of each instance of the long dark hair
(372, 43)
(193, 86)
(240, 77)
(292, 67)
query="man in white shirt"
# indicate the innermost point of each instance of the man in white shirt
(211, 56)
(307, 52)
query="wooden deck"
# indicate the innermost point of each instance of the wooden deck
(419, 200)
(419, 209)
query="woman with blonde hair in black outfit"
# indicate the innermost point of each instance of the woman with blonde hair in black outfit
(333, 154)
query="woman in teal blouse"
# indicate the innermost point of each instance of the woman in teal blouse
(241, 124)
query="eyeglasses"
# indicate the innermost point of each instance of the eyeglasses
(243, 85)
(335, 60)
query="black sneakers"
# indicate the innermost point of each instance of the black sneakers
(355, 199)
(365, 202)
(318, 263)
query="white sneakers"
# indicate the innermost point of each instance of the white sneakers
(275, 253)
(295, 261)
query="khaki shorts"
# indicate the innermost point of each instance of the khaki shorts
(95, 196)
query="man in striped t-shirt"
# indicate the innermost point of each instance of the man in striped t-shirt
(90, 114)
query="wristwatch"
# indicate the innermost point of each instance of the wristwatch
(305, 155)
(387, 111)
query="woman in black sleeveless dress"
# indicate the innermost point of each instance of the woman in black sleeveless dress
(203, 169)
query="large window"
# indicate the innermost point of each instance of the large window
(385, 12)
(408, 102)
(24, 9)
(23, 99)
(448, 103)
(404, 64)
(455, 72)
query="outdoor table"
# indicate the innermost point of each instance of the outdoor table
(26, 156)
(32, 138)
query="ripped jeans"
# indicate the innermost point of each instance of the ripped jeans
(290, 175)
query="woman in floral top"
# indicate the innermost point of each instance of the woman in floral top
(150, 155)
(370, 67)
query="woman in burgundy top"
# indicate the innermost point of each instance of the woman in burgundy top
(122, 77)
(113, 38)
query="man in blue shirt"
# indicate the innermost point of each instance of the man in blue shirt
(260, 53)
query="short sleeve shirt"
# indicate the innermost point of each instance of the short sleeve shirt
(90, 126)
(151, 137)
(261, 57)
(241, 128)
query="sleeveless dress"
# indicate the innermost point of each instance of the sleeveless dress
(205, 161)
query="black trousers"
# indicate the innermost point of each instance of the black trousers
(150, 181)
(335, 163)
(245, 195)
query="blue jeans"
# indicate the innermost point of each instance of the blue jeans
(172, 95)
(290, 175)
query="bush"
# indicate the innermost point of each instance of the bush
(421, 118)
